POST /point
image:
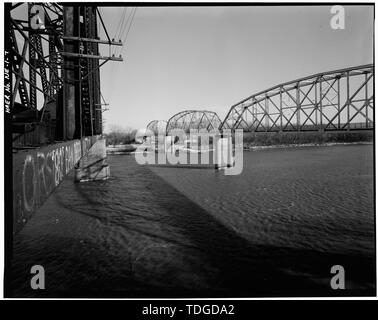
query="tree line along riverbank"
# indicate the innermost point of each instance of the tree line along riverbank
(255, 140)
(251, 139)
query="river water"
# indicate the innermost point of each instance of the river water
(274, 230)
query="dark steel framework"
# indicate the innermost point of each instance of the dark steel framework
(55, 70)
(199, 120)
(35, 70)
(335, 100)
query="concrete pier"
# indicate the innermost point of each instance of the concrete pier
(93, 166)
(223, 152)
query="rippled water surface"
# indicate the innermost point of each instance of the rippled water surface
(276, 229)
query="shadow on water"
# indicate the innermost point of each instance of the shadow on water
(233, 266)
(245, 269)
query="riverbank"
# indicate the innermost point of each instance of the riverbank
(247, 147)
(306, 137)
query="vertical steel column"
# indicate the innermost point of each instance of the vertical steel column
(80, 84)
(348, 103)
(338, 104)
(266, 114)
(366, 102)
(95, 89)
(321, 105)
(53, 63)
(246, 116)
(70, 121)
(97, 85)
(316, 104)
(88, 19)
(281, 111)
(298, 102)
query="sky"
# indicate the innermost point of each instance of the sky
(209, 58)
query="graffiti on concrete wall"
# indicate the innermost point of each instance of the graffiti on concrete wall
(37, 173)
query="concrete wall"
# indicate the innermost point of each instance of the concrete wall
(37, 172)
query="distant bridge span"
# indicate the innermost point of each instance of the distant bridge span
(157, 126)
(200, 120)
(334, 100)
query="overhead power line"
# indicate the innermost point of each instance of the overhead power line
(129, 28)
(120, 24)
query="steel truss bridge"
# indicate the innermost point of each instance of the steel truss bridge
(157, 126)
(335, 100)
(55, 62)
(194, 120)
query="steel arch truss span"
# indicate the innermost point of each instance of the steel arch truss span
(335, 100)
(157, 126)
(202, 121)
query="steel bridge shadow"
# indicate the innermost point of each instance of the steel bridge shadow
(232, 267)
